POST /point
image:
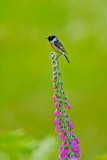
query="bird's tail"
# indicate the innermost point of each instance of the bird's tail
(66, 57)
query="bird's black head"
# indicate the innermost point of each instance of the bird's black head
(51, 37)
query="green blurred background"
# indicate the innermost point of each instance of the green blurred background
(27, 131)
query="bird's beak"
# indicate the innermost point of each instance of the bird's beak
(46, 38)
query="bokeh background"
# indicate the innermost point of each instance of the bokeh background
(27, 131)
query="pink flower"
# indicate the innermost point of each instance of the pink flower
(76, 139)
(60, 135)
(56, 104)
(61, 148)
(70, 125)
(56, 113)
(77, 150)
(57, 129)
(56, 121)
(64, 138)
(69, 107)
(54, 98)
(69, 119)
(71, 132)
(63, 123)
(53, 87)
(74, 157)
(67, 100)
(59, 113)
(74, 144)
(79, 156)
(53, 79)
(63, 154)
(67, 150)
(63, 132)
(65, 106)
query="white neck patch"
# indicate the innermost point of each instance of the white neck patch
(53, 40)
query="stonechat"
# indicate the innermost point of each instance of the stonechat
(57, 46)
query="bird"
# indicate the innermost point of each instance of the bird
(57, 46)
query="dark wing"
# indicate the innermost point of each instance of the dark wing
(59, 45)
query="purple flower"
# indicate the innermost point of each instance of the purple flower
(54, 98)
(60, 135)
(69, 119)
(67, 100)
(56, 104)
(79, 156)
(74, 156)
(74, 144)
(64, 138)
(62, 120)
(76, 148)
(63, 132)
(56, 121)
(63, 154)
(69, 107)
(70, 125)
(76, 139)
(56, 113)
(71, 132)
(67, 150)
(53, 79)
(57, 129)
(61, 148)
(53, 87)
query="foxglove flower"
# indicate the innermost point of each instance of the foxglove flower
(69, 149)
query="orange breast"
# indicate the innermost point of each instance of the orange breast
(54, 48)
